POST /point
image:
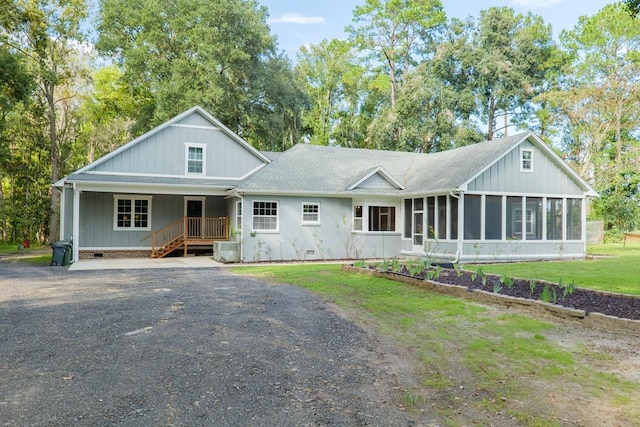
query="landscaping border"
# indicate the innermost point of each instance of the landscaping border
(535, 307)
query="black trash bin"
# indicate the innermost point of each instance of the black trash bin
(61, 253)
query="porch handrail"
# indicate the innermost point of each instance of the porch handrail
(168, 234)
(191, 229)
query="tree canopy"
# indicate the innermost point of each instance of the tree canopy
(404, 78)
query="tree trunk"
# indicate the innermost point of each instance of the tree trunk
(53, 194)
(3, 217)
(492, 113)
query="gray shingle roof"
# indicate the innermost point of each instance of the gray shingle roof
(153, 180)
(322, 169)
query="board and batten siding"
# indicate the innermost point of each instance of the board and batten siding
(376, 181)
(97, 216)
(163, 153)
(505, 176)
(331, 239)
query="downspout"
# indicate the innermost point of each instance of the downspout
(460, 212)
(241, 231)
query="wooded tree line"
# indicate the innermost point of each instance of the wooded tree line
(76, 83)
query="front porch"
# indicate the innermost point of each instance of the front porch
(188, 231)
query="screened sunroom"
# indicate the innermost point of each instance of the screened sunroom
(471, 227)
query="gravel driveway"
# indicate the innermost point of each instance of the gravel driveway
(182, 347)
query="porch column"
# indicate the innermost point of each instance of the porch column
(460, 224)
(76, 224)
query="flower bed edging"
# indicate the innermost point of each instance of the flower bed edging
(536, 307)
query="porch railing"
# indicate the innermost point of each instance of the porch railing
(186, 231)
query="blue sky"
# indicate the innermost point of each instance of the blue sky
(302, 22)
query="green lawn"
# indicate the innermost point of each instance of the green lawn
(470, 358)
(612, 268)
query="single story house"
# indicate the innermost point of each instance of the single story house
(192, 183)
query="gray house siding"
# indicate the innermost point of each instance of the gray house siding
(505, 176)
(97, 216)
(376, 181)
(331, 239)
(164, 154)
(66, 230)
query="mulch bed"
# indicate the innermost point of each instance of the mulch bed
(623, 306)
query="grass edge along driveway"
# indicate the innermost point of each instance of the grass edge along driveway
(477, 364)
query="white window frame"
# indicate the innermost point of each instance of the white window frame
(317, 213)
(189, 145)
(362, 225)
(277, 215)
(523, 160)
(239, 215)
(133, 198)
(357, 221)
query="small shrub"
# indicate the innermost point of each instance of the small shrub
(360, 264)
(396, 266)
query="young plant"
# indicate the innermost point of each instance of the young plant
(508, 281)
(458, 270)
(438, 271)
(483, 277)
(360, 263)
(395, 265)
(545, 296)
(496, 287)
(385, 265)
(554, 295)
(532, 286)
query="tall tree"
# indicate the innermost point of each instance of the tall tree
(179, 53)
(503, 59)
(47, 32)
(396, 34)
(324, 70)
(600, 100)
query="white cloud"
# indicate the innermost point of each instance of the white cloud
(296, 18)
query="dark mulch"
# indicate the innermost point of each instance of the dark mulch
(618, 305)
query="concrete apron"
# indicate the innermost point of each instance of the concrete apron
(140, 263)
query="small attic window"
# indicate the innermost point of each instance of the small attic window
(195, 156)
(526, 160)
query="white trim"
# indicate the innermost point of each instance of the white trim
(514, 194)
(136, 188)
(177, 125)
(522, 160)
(133, 198)
(158, 175)
(382, 172)
(202, 199)
(366, 204)
(76, 224)
(187, 146)
(277, 215)
(62, 215)
(302, 212)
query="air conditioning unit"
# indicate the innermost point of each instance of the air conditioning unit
(226, 251)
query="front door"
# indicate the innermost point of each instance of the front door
(194, 211)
